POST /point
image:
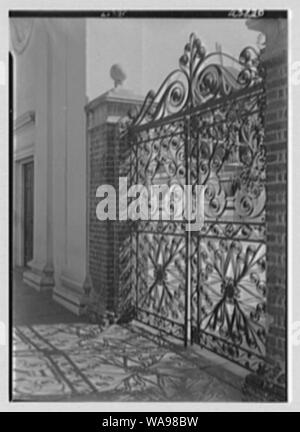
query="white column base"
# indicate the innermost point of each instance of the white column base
(40, 279)
(71, 294)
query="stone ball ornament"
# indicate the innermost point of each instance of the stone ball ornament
(117, 74)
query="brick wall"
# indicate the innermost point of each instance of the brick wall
(101, 233)
(276, 129)
(271, 384)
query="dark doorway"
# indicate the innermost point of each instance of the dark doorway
(28, 177)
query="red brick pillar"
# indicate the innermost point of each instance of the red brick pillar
(271, 382)
(104, 237)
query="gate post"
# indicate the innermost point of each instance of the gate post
(103, 117)
(270, 382)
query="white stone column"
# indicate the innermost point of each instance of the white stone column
(70, 183)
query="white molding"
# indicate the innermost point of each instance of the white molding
(24, 153)
(70, 283)
(38, 280)
(26, 119)
(72, 300)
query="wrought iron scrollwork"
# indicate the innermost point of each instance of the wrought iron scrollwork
(206, 120)
(200, 78)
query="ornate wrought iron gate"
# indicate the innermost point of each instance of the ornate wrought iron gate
(204, 126)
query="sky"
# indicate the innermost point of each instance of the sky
(149, 49)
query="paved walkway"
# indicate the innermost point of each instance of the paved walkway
(57, 356)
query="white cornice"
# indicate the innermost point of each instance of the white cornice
(116, 95)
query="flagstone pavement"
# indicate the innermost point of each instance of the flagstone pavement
(59, 357)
